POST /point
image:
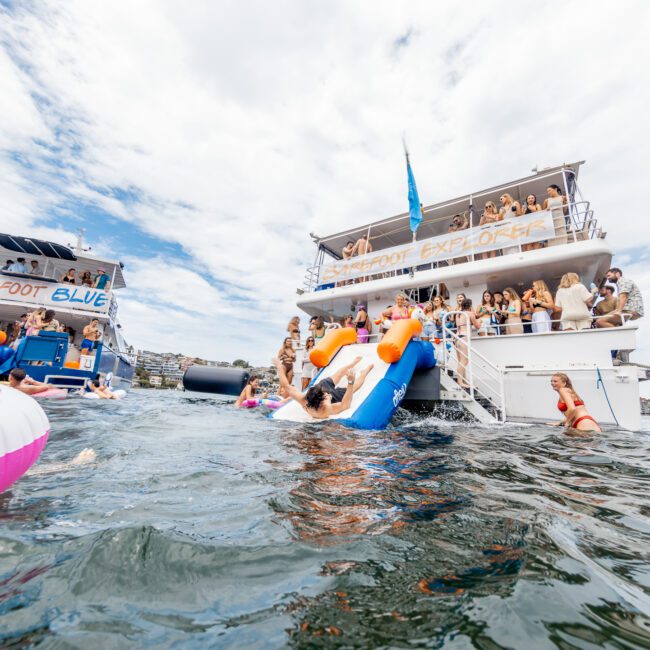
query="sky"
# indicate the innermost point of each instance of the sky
(201, 142)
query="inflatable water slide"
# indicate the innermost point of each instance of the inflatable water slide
(395, 359)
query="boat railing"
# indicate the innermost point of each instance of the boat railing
(484, 380)
(576, 223)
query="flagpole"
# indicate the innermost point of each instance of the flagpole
(406, 153)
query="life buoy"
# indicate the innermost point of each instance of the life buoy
(24, 429)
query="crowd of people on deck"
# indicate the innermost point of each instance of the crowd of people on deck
(101, 280)
(44, 320)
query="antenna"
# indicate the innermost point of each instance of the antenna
(80, 241)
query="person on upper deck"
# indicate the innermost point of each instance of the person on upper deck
(397, 311)
(102, 280)
(630, 301)
(532, 206)
(509, 207)
(557, 204)
(541, 303)
(362, 246)
(458, 222)
(512, 312)
(18, 266)
(347, 250)
(490, 216)
(70, 277)
(86, 279)
(35, 269)
(8, 263)
(574, 300)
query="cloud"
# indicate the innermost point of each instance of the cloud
(233, 130)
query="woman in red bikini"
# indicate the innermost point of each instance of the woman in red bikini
(576, 415)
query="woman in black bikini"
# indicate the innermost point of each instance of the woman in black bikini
(287, 356)
(363, 325)
(576, 415)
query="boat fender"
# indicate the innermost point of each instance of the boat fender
(217, 380)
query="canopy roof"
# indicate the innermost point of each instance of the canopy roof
(55, 259)
(395, 231)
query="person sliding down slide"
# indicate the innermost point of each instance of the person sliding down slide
(324, 399)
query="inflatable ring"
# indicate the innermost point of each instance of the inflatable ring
(269, 403)
(24, 429)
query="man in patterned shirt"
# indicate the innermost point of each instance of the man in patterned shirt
(630, 301)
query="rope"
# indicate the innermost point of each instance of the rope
(599, 383)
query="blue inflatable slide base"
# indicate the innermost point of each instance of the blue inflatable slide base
(376, 411)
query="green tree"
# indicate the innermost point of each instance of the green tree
(240, 363)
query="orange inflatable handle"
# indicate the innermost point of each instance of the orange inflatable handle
(330, 344)
(400, 333)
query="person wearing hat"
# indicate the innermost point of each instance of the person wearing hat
(102, 280)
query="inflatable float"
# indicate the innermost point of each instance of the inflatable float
(261, 401)
(119, 393)
(24, 429)
(51, 393)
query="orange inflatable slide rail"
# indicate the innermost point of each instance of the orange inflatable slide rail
(397, 338)
(330, 344)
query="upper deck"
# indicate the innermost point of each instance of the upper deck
(545, 236)
(44, 288)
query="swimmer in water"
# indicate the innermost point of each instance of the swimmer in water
(576, 415)
(19, 380)
(84, 457)
(324, 398)
(103, 392)
(249, 390)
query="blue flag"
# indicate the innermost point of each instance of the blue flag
(415, 211)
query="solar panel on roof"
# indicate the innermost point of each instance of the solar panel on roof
(26, 245)
(36, 247)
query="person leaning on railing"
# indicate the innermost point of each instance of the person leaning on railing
(630, 301)
(490, 216)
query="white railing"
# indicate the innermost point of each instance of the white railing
(579, 225)
(485, 380)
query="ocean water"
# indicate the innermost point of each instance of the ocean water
(202, 526)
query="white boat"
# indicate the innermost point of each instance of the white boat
(55, 357)
(509, 376)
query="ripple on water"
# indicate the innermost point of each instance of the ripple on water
(200, 525)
